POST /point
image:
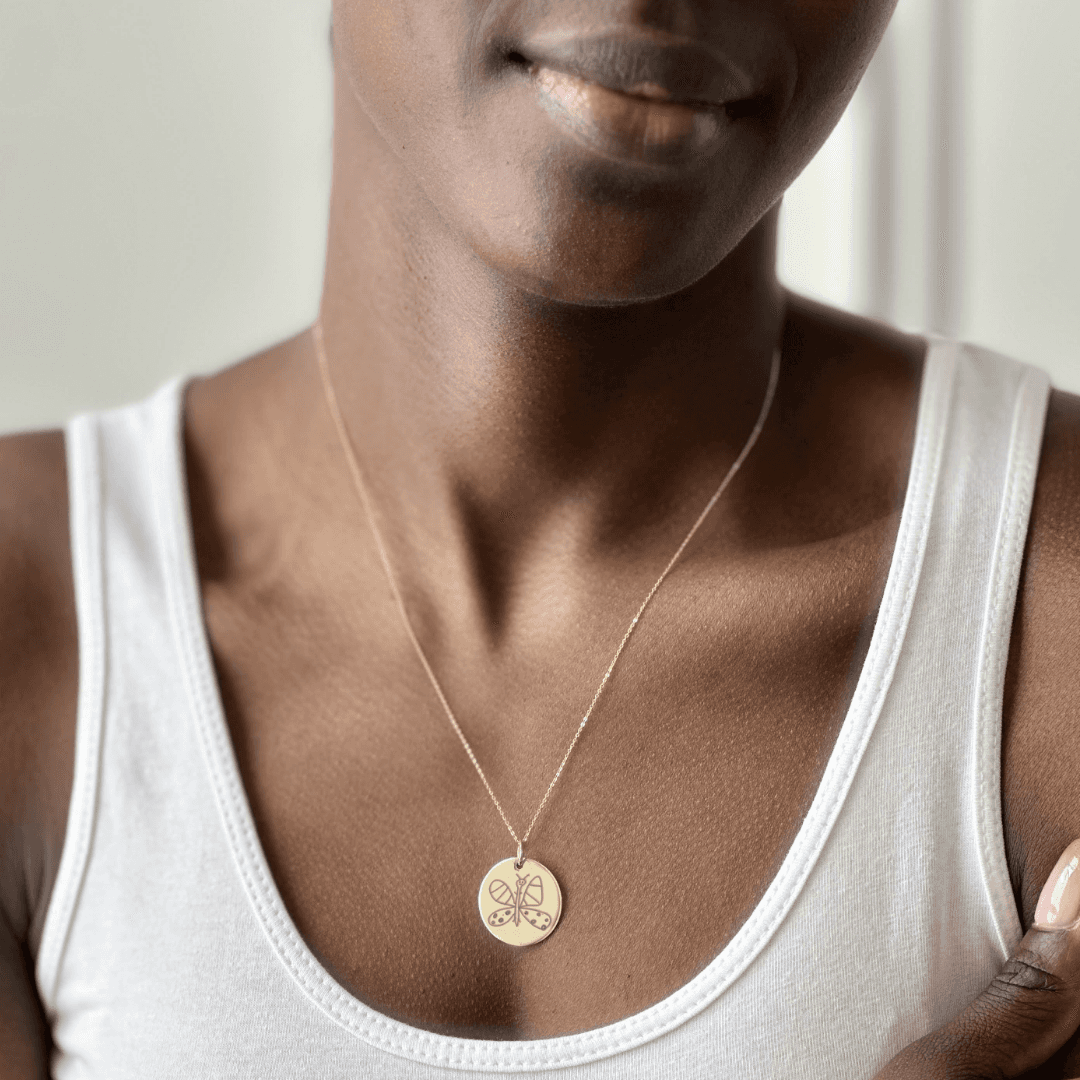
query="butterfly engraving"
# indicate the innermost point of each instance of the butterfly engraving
(522, 901)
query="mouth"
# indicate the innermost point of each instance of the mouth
(673, 70)
(653, 102)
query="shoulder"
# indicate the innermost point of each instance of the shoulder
(38, 672)
(1041, 719)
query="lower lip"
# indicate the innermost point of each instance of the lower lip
(645, 129)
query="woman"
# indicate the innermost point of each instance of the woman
(550, 328)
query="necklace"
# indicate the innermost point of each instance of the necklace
(520, 900)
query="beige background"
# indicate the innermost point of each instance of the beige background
(164, 174)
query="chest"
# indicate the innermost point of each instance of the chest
(666, 826)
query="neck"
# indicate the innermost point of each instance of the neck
(463, 390)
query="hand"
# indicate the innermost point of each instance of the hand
(1027, 1013)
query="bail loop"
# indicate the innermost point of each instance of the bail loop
(519, 861)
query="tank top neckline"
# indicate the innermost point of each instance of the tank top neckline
(488, 1055)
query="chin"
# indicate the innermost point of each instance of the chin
(559, 284)
(598, 266)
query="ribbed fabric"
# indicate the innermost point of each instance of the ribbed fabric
(167, 951)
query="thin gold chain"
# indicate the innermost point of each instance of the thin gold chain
(361, 488)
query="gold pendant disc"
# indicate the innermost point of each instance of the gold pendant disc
(520, 907)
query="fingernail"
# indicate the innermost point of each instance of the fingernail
(1059, 903)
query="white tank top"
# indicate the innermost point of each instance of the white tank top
(167, 951)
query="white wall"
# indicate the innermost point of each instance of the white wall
(1022, 247)
(164, 171)
(164, 176)
(946, 199)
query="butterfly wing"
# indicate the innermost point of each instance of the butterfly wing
(503, 895)
(531, 900)
(501, 916)
(540, 919)
(533, 893)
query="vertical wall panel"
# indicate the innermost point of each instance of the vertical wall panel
(980, 222)
(946, 130)
(1022, 244)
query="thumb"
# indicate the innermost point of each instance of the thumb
(1028, 1012)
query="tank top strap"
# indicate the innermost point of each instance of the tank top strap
(84, 520)
(114, 459)
(962, 618)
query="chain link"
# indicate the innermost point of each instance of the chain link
(361, 488)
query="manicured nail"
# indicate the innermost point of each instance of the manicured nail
(1059, 903)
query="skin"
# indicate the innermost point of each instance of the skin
(547, 358)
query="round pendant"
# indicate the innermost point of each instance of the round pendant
(520, 907)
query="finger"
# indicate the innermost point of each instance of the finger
(1031, 1008)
